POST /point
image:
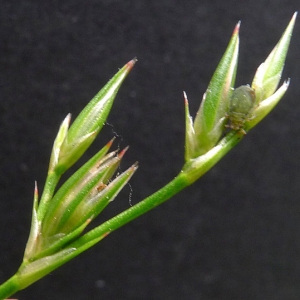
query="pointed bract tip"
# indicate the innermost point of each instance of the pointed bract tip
(88, 221)
(121, 154)
(105, 234)
(294, 16)
(237, 28)
(68, 118)
(293, 19)
(287, 82)
(134, 166)
(109, 144)
(36, 192)
(131, 63)
(186, 102)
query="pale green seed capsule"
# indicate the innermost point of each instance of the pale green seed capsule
(241, 108)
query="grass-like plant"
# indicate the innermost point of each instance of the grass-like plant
(61, 216)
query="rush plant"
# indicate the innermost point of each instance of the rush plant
(60, 215)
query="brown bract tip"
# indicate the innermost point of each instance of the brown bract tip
(134, 166)
(131, 63)
(121, 154)
(186, 102)
(36, 192)
(109, 144)
(237, 28)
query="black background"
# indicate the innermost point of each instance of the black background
(232, 235)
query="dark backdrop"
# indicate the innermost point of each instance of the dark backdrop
(232, 235)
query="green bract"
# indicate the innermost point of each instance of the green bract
(210, 119)
(88, 124)
(268, 75)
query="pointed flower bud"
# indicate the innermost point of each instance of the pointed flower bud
(88, 124)
(34, 241)
(76, 188)
(80, 199)
(210, 119)
(72, 142)
(267, 78)
(263, 89)
(241, 109)
(268, 74)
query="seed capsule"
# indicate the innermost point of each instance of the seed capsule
(241, 108)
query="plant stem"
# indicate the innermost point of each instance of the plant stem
(9, 287)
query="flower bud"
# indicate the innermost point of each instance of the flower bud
(88, 124)
(209, 123)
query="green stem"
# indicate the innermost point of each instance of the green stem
(9, 287)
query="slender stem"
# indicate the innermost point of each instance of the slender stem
(9, 287)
